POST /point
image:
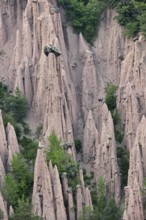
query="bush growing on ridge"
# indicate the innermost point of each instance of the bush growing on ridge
(64, 161)
(104, 206)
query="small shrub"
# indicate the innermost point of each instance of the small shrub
(132, 29)
(29, 149)
(116, 117)
(119, 135)
(38, 131)
(123, 162)
(26, 128)
(3, 95)
(110, 98)
(78, 146)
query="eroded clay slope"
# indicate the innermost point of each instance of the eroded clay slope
(66, 93)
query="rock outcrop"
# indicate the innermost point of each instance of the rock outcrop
(3, 142)
(13, 147)
(58, 197)
(137, 172)
(66, 94)
(42, 199)
(79, 199)
(106, 157)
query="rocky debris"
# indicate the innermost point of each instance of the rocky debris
(42, 198)
(13, 147)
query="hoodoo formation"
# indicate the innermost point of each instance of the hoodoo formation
(72, 110)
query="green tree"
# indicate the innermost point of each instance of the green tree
(10, 190)
(104, 206)
(17, 104)
(78, 146)
(3, 94)
(56, 153)
(110, 97)
(142, 21)
(123, 162)
(29, 148)
(22, 174)
(64, 161)
(132, 15)
(19, 182)
(84, 16)
(24, 211)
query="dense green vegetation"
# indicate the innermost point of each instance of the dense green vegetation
(14, 108)
(110, 100)
(123, 161)
(18, 183)
(15, 105)
(24, 211)
(78, 146)
(132, 15)
(122, 153)
(104, 206)
(29, 150)
(64, 161)
(85, 15)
